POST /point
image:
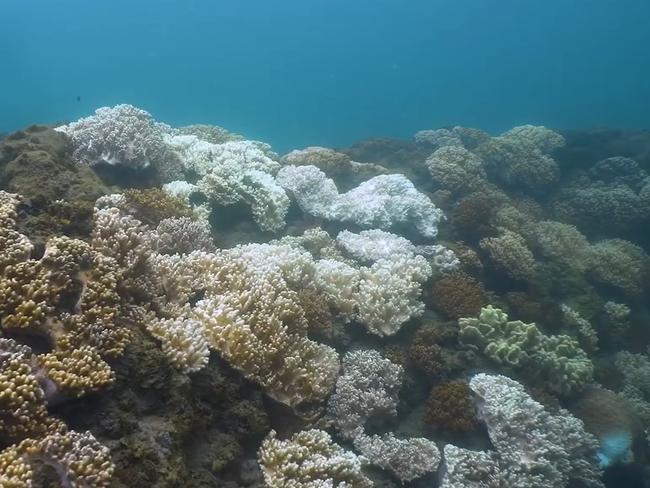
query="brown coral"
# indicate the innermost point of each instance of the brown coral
(458, 295)
(450, 407)
(153, 205)
(434, 351)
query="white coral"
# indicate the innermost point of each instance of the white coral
(381, 202)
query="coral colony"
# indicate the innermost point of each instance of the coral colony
(455, 311)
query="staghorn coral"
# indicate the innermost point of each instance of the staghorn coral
(310, 459)
(381, 202)
(458, 295)
(450, 408)
(74, 459)
(510, 252)
(456, 169)
(557, 361)
(121, 135)
(537, 450)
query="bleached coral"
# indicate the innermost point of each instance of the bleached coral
(533, 448)
(334, 164)
(408, 459)
(380, 202)
(235, 171)
(310, 459)
(180, 188)
(368, 386)
(389, 293)
(120, 135)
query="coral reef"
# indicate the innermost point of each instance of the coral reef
(458, 295)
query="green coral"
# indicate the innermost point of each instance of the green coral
(557, 361)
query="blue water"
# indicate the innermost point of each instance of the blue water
(329, 72)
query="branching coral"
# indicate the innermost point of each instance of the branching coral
(368, 386)
(510, 252)
(456, 169)
(334, 164)
(621, 264)
(635, 369)
(121, 135)
(153, 205)
(75, 460)
(520, 157)
(381, 202)
(236, 171)
(558, 361)
(533, 447)
(310, 459)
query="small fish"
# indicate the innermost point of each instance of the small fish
(78, 98)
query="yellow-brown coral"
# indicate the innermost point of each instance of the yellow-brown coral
(75, 460)
(152, 205)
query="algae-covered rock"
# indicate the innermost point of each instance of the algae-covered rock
(37, 164)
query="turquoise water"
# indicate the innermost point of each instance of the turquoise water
(329, 72)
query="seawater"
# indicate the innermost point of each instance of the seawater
(329, 72)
